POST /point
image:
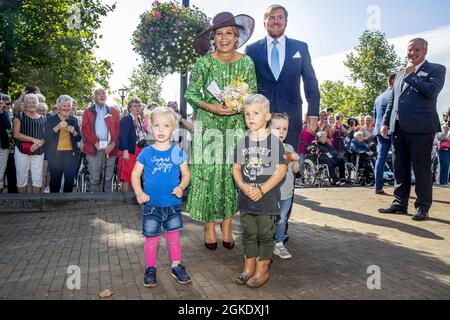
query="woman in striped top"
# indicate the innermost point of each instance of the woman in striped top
(28, 130)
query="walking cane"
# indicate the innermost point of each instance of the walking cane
(105, 160)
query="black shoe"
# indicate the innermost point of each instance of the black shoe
(211, 246)
(421, 215)
(228, 245)
(393, 210)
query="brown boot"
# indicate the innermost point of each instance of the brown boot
(249, 271)
(261, 275)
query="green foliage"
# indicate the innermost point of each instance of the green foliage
(165, 37)
(51, 44)
(144, 85)
(349, 100)
(372, 62)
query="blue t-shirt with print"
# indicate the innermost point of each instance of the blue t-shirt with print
(162, 174)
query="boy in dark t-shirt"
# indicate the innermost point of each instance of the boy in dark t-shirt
(259, 167)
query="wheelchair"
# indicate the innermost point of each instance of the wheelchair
(83, 177)
(360, 170)
(315, 173)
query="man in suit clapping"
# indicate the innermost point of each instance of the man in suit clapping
(411, 116)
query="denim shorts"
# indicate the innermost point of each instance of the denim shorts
(154, 217)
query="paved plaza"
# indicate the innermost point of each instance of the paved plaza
(336, 235)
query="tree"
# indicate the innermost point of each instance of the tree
(145, 86)
(372, 63)
(349, 100)
(51, 44)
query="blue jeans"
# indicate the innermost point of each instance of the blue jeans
(280, 233)
(444, 160)
(383, 147)
(154, 217)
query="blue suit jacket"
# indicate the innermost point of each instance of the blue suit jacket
(127, 140)
(284, 94)
(379, 109)
(417, 110)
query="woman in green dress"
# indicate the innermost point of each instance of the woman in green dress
(212, 194)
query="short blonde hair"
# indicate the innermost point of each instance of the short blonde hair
(257, 99)
(274, 7)
(164, 111)
(359, 135)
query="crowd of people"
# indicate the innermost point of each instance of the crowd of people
(259, 181)
(41, 149)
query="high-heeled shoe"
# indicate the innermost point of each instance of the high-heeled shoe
(210, 246)
(227, 245)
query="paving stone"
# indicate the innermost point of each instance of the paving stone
(335, 236)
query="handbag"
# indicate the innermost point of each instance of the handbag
(26, 148)
(445, 145)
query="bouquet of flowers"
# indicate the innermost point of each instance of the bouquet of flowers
(165, 37)
(232, 96)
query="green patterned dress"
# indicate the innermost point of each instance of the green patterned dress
(212, 193)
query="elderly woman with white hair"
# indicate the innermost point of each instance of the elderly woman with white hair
(28, 130)
(368, 130)
(62, 134)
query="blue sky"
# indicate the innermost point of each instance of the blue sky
(330, 28)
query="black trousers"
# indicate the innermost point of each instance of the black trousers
(11, 174)
(64, 163)
(332, 165)
(412, 149)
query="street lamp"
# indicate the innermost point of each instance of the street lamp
(183, 81)
(122, 94)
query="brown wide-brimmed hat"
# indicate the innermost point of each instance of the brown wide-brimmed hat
(245, 24)
(353, 118)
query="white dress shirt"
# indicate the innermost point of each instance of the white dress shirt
(281, 50)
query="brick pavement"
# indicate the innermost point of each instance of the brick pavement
(335, 235)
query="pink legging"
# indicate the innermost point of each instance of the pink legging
(173, 243)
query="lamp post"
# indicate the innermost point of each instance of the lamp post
(183, 81)
(122, 94)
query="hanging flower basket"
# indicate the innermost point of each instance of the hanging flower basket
(165, 37)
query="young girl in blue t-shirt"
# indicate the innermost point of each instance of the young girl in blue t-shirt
(162, 163)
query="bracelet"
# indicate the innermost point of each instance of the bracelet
(261, 190)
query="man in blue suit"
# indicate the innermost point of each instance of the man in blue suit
(280, 64)
(412, 118)
(383, 145)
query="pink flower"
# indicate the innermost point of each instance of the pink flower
(142, 40)
(158, 15)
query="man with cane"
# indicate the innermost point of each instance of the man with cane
(100, 129)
